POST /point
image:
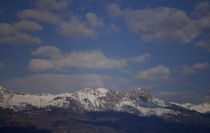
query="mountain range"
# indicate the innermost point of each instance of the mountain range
(100, 110)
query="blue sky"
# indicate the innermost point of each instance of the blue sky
(56, 46)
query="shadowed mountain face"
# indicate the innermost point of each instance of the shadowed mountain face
(96, 111)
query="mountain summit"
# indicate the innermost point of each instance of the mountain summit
(137, 101)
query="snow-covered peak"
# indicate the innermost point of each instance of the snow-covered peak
(88, 99)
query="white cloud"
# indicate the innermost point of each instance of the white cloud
(140, 59)
(76, 27)
(161, 25)
(81, 29)
(92, 20)
(68, 24)
(157, 73)
(37, 65)
(194, 68)
(28, 26)
(48, 51)
(53, 4)
(77, 59)
(164, 24)
(13, 33)
(205, 44)
(40, 15)
(56, 83)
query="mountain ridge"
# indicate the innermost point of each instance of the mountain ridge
(96, 111)
(138, 101)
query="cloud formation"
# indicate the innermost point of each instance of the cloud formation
(48, 51)
(77, 59)
(56, 60)
(28, 26)
(157, 73)
(16, 33)
(40, 15)
(195, 68)
(163, 24)
(81, 29)
(77, 27)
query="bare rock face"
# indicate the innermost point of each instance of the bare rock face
(139, 93)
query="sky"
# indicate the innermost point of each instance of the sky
(55, 46)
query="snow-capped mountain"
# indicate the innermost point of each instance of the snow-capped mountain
(138, 101)
(100, 110)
